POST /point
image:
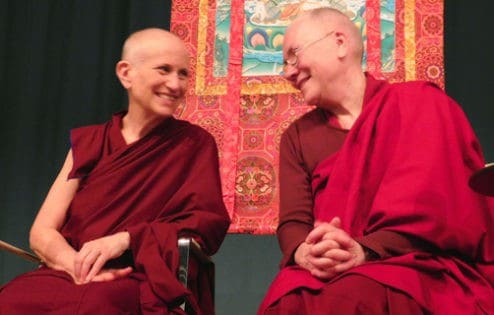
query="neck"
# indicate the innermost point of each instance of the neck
(136, 125)
(348, 99)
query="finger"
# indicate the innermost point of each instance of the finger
(323, 263)
(96, 267)
(103, 276)
(319, 249)
(318, 232)
(86, 264)
(344, 266)
(123, 272)
(341, 237)
(336, 222)
(322, 274)
(338, 255)
(112, 274)
(78, 261)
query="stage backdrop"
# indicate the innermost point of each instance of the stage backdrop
(237, 94)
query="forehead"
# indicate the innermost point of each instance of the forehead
(164, 52)
(298, 32)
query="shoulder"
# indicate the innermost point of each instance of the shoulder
(97, 130)
(308, 120)
(89, 134)
(89, 130)
(422, 96)
(425, 103)
(195, 133)
(418, 89)
(86, 144)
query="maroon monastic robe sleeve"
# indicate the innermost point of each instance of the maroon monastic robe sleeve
(202, 216)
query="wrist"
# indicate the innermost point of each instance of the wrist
(300, 253)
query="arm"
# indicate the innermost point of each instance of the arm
(295, 217)
(298, 158)
(329, 250)
(49, 244)
(45, 238)
(384, 244)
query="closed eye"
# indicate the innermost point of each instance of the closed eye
(164, 69)
(167, 69)
(184, 73)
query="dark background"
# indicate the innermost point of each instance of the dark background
(57, 72)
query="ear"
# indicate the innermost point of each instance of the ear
(123, 69)
(342, 42)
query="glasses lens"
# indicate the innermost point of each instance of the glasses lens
(291, 61)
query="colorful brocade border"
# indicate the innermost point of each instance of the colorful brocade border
(248, 113)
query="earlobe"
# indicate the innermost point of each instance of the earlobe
(122, 70)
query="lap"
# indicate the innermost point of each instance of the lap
(351, 294)
(47, 291)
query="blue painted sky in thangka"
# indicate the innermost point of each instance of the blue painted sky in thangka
(266, 21)
(221, 38)
(388, 35)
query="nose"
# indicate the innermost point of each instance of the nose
(175, 83)
(290, 73)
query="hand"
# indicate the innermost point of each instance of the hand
(111, 274)
(89, 261)
(329, 250)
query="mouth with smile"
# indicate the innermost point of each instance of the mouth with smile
(300, 82)
(167, 96)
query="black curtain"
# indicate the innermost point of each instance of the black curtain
(57, 63)
(469, 64)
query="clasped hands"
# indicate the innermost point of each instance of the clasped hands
(328, 250)
(90, 259)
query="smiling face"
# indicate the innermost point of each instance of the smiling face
(310, 59)
(319, 49)
(154, 70)
(313, 48)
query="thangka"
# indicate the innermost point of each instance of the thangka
(238, 95)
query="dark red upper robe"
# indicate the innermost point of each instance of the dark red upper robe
(158, 188)
(404, 168)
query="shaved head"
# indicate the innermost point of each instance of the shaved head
(140, 44)
(155, 72)
(329, 19)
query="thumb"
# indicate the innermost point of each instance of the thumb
(336, 221)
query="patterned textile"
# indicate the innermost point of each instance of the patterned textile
(237, 94)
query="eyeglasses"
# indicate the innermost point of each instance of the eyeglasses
(293, 59)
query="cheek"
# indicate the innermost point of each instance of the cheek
(184, 85)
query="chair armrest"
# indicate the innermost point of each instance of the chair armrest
(189, 249)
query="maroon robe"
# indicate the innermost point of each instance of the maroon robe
(158, 188)
(404, 168)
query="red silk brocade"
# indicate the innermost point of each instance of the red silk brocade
(404, 167)
(158, 188)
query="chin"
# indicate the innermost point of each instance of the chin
(166, 114)
(310, 100)
(309, 97)
(166, 110)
